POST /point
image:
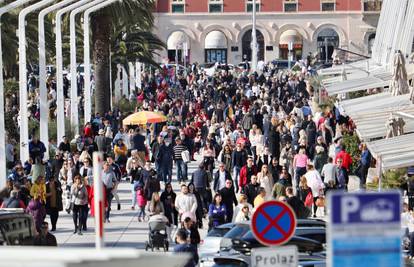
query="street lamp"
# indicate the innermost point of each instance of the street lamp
(24, 127)
(59, 68)
(86, 54)
(3, 169)
(44, 135)
(254, 38)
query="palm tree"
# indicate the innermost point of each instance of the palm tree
(132, 19)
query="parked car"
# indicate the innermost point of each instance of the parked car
(16, 228)
(211, 243)
(238, 231)
(310, 223)
(240, 260)
(248, 242)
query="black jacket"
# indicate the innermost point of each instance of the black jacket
(59, 204)
(217, 177)
(251, 191)
(228, 197)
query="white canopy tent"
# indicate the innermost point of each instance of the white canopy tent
(371, 125)
(395, 32)
(374, 103)
(396, 152)
(363, 83)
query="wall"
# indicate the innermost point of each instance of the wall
(196, 6)
(272, 6)
(234, 5)
(162, 6)
(345, 5)
(306, 5)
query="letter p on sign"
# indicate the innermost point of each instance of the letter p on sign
(349, 205)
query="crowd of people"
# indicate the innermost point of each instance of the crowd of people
(254, 137)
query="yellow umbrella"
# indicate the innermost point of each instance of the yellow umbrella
(144, 117)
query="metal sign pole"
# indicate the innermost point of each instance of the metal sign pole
(99, 200)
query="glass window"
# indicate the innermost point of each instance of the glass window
(216, 55)
(215, 8)
(177, 6)
(372, 5)
(328, 7)
(291, 5)
(249, 6)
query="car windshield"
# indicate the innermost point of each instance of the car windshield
(218, 232)
(237, 231)
(229, 263)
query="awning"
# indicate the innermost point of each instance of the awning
(371, 125)
(176, 40)
(377, 102)
(363, 83)
(290, 36)
(215, 40)
(396, 152)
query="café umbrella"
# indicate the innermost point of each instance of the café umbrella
(144, 117)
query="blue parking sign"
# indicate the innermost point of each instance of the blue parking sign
(364, 229)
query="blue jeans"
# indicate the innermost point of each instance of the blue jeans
(181, 170)
(236, 176)
(134, 196)
(166, 172)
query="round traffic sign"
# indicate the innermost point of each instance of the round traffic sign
(273, 223)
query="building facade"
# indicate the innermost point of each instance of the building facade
(220, 30)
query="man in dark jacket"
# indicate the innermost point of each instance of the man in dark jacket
(139, 144)
(36, 149)
(45, 238)
(200, 181)
(251, 190)
(229, 197)
(101, 141)
(183, 246)
(274, 142)
(238, 160)
(220, 177)
(64, 146)
(296, 204)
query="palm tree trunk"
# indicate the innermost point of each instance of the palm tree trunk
(101, 32)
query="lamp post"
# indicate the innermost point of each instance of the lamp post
(3, 170)
(44, 135)
(59, 68)
(254, 38)
(24, 127)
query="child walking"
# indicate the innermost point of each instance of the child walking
(142, 202)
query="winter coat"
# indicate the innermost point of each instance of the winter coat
(186, 203)
(58, 189)
(217, 214)
(141, 199)
(79, 195)
(38, 211)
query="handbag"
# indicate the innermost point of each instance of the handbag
(320, 202)
(309, 200)
(186, 156)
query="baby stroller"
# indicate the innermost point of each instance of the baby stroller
(157, 237)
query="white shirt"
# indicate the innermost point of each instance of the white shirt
(329, 172)
(314, 182)
(222, 180)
